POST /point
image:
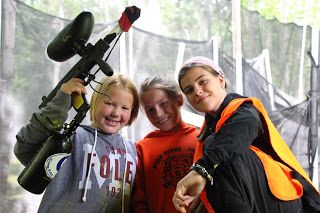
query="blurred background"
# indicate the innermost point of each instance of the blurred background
(268, 49)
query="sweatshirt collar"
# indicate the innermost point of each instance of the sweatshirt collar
(158, 133)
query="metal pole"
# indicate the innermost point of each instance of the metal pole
(317, 115)
(315, 52)
(313, 112)
(1, 24)
(236, 43)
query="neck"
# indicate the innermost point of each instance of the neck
(176, 128)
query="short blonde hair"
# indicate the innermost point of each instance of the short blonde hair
(119, 81)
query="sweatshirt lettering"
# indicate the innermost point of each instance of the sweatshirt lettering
(107, 168)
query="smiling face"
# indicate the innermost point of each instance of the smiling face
(204, 91)
(111, 115)
(162, 110)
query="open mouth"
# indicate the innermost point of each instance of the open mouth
(162, 121)
(111, 122)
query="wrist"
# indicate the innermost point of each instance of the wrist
(202, 171)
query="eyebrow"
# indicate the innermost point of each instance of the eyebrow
(200, 76)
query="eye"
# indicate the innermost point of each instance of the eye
(149, 110)
(126, 108)
(188, 90)
(107, 102)
(164, 103)
(202, 82)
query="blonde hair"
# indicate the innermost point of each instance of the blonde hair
(118, 81)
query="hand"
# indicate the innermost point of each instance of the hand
(197, 206)
(188, 189)
(73, 85)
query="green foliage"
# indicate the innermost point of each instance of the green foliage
(181, 17)
(285, 75)
(296, 11)
(197, 20)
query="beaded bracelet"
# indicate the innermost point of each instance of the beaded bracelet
(202, 171)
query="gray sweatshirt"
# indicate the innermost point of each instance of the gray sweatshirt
(112, 170)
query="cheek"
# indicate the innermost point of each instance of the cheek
(102, 110)
(126, 116)
(191, 99)
(174, 108)
(150, 117)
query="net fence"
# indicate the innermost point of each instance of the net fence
(33, 75)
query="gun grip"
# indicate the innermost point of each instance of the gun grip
(77, 100)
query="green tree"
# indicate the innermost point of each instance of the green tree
(296, 11)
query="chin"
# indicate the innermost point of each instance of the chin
(168, 128)
(165, 129)
(109, 130)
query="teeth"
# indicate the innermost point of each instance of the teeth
(162, 121)
(111, 121)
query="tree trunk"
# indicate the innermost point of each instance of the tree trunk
(6, 75)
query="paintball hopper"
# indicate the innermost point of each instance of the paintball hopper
(72, 38)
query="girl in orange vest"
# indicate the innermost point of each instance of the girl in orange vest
(244, 164)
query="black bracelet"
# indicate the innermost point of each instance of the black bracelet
(202, 171)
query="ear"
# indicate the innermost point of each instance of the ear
(222, 81)
(180, 100)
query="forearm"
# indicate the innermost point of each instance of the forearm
(188, 189)
(50, 119)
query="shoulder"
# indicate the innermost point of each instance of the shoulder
(128, 143)
(248, 108)
(147, 143)
(239, 110)
(189, 129)
(247, 112)
(84, 130)
(144, 141)
(246, 115)
(236, 104)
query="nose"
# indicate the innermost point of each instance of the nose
(158, 111)
(198, 90)
(116, 112)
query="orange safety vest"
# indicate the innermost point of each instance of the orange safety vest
(203, 195)
(279, 177)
